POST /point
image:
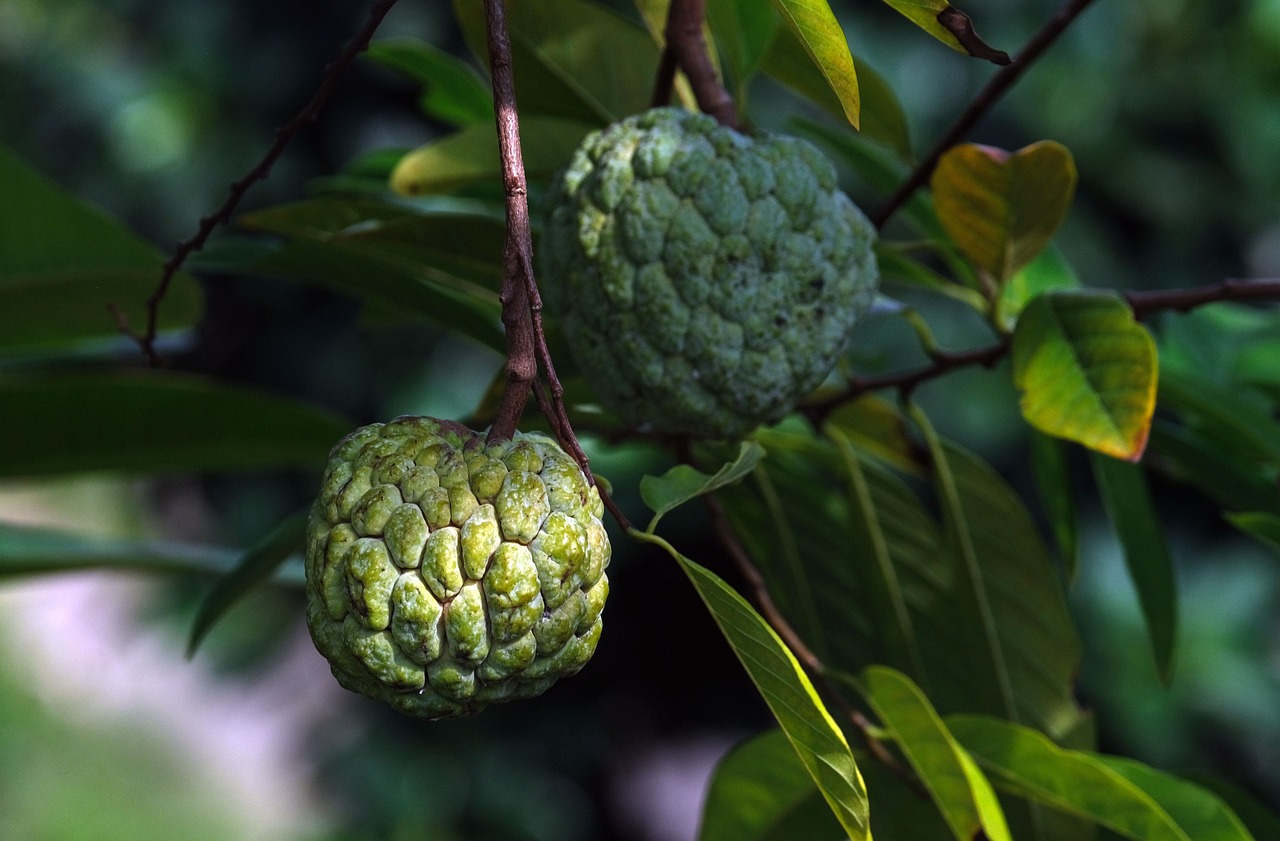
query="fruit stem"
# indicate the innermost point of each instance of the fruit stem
(686, 49)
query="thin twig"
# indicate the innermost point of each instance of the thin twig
(686, 48)
(309, 114)
(982, 103)
(1143, 303)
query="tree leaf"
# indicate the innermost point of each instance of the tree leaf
(1001, 209)
(1087, 371)
(744, 31)
(1049, 270)
(949, 25)
(571, 59)
(816, 27)
(1260, 524)
(155, 422)
(1052, 474)
(817, 740)
(876, 426)
(256, 566)
(27, 550)
(452, 91)
(1121, 796)
(959, 790)
(683, 482)
(1129, 507)
(760, 791)
(471, 155)
(1229, 420)
(63, 262)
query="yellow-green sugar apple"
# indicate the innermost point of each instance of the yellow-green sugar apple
(445, 573)
(706, 280)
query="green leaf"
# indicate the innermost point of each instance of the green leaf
(683, 482)
(453, 92)
(1052, 475)
(1048, 271)
(571, 59)
(959, 790)
(1087, 371)
(1227, 417)
(761, 792)
(817, 740)
(816, 27)
(26, 550)
(155, 422)
(876, 426)
(255, 568)
(471, 155)
(949, 25)
(63, 262)
(1134, 801)
(1128, 503)
(744, 31)
(1260, 524)
(1001, 209)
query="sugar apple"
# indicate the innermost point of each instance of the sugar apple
(705, 280)
(445, 573)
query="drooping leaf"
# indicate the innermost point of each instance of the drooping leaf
(1133, 516)
(452, 91)
(1087, 371)
(571, 59)
(1002, 208)
(744, 31)
(255, 567)
(1260, 524)
(683, 482)
(1053, 483)
(155, 422)
(876, 426)
(786, 689)
(1123, 796)
(950, 26)
(958, 788)
(28, 550)
(761, 792)
(815, 26)
(62, 263)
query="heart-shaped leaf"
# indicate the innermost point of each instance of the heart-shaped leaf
(1002, 209)
(1087, 371)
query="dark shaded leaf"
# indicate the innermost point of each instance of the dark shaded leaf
(452, 91)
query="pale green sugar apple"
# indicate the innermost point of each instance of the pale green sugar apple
(705, 280)
(445, 573)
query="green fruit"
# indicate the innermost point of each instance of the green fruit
(705, 280)
(445, 573)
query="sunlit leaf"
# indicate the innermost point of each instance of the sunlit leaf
(760, 791)
(1123, 796)
(683, 482)
(155, 422)
(816, 27)
(1087, 371)
(1002, 208)
(63, 262)
(452, 91)
(950, 26)
(817, 740)
(570, 58)
(27, 550)
(1128, 503)
(959, 790)
(255, 567)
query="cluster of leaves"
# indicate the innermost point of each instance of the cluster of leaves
(907, 596)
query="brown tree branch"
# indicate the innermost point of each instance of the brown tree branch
(686, 49)
(982, 103)
(1143, 304)
(309, 114)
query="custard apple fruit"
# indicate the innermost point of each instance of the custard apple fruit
(705, 280)
(445, 573)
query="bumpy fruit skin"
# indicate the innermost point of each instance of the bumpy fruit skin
(445, 573)
(705, 280)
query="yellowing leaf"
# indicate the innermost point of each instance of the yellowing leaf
(816, 26)
(1087, 371)
(1001, 209)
